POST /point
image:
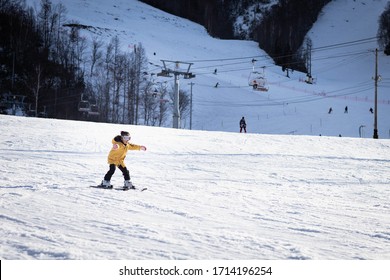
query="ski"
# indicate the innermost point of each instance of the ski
(131, 189)
(101, 187)
(118, 189)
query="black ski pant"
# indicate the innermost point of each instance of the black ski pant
(125, 172)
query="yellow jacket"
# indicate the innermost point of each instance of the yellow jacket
(119, 150)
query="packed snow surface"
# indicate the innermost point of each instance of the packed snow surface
(211, 195)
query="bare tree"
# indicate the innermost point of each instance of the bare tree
(58, 20)
(117, 72)
(148, 102)
(34, 83)
(139, 64)
(107, 82)
(184, 102)
(120, 71)
(130, 90)
(96, 55)
(163, 102)
(44, 21)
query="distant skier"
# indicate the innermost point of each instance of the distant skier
(330, 110)
(371, 111)
(346, 110)
(116, 158)
(242, 125)
(254, 84)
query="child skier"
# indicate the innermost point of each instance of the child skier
(116, 158)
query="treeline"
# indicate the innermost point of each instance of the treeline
(212, 14)
(279, 28)
(384, 30)
(48, 68)
(282, 31)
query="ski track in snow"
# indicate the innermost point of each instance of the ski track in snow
(215, 195)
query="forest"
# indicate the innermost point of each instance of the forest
(279, 26)
(49, 70)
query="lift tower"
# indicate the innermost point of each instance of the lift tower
(177, 71)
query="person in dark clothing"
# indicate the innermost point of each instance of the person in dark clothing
(242, 125)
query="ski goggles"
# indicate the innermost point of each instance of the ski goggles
(126, 137)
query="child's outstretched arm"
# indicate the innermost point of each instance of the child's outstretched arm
(136, 147)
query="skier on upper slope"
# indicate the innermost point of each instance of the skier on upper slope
(242, 125)
(116, 158)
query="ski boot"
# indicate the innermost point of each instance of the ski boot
(106, 184)
(128, 185)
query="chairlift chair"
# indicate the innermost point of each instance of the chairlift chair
(257, 81)
(84, 106)
(43, 114)
(94, 110)
(31, 110)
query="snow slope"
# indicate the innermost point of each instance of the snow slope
(343, 73)
(211, 195)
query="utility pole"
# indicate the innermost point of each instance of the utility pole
(376, 78)
(191, 84)
(176, 103)
(166, 72)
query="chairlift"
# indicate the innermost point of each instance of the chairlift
(15, 99)
(14, 104)
(84, 106)
(31, 110)
(43, 114)
(93, 110)
(257, 79)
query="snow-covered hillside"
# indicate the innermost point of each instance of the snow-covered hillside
(343, 72)
(211, 195)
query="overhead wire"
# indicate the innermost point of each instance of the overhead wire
(247, 63)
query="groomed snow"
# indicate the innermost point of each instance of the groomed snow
(211, 195)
